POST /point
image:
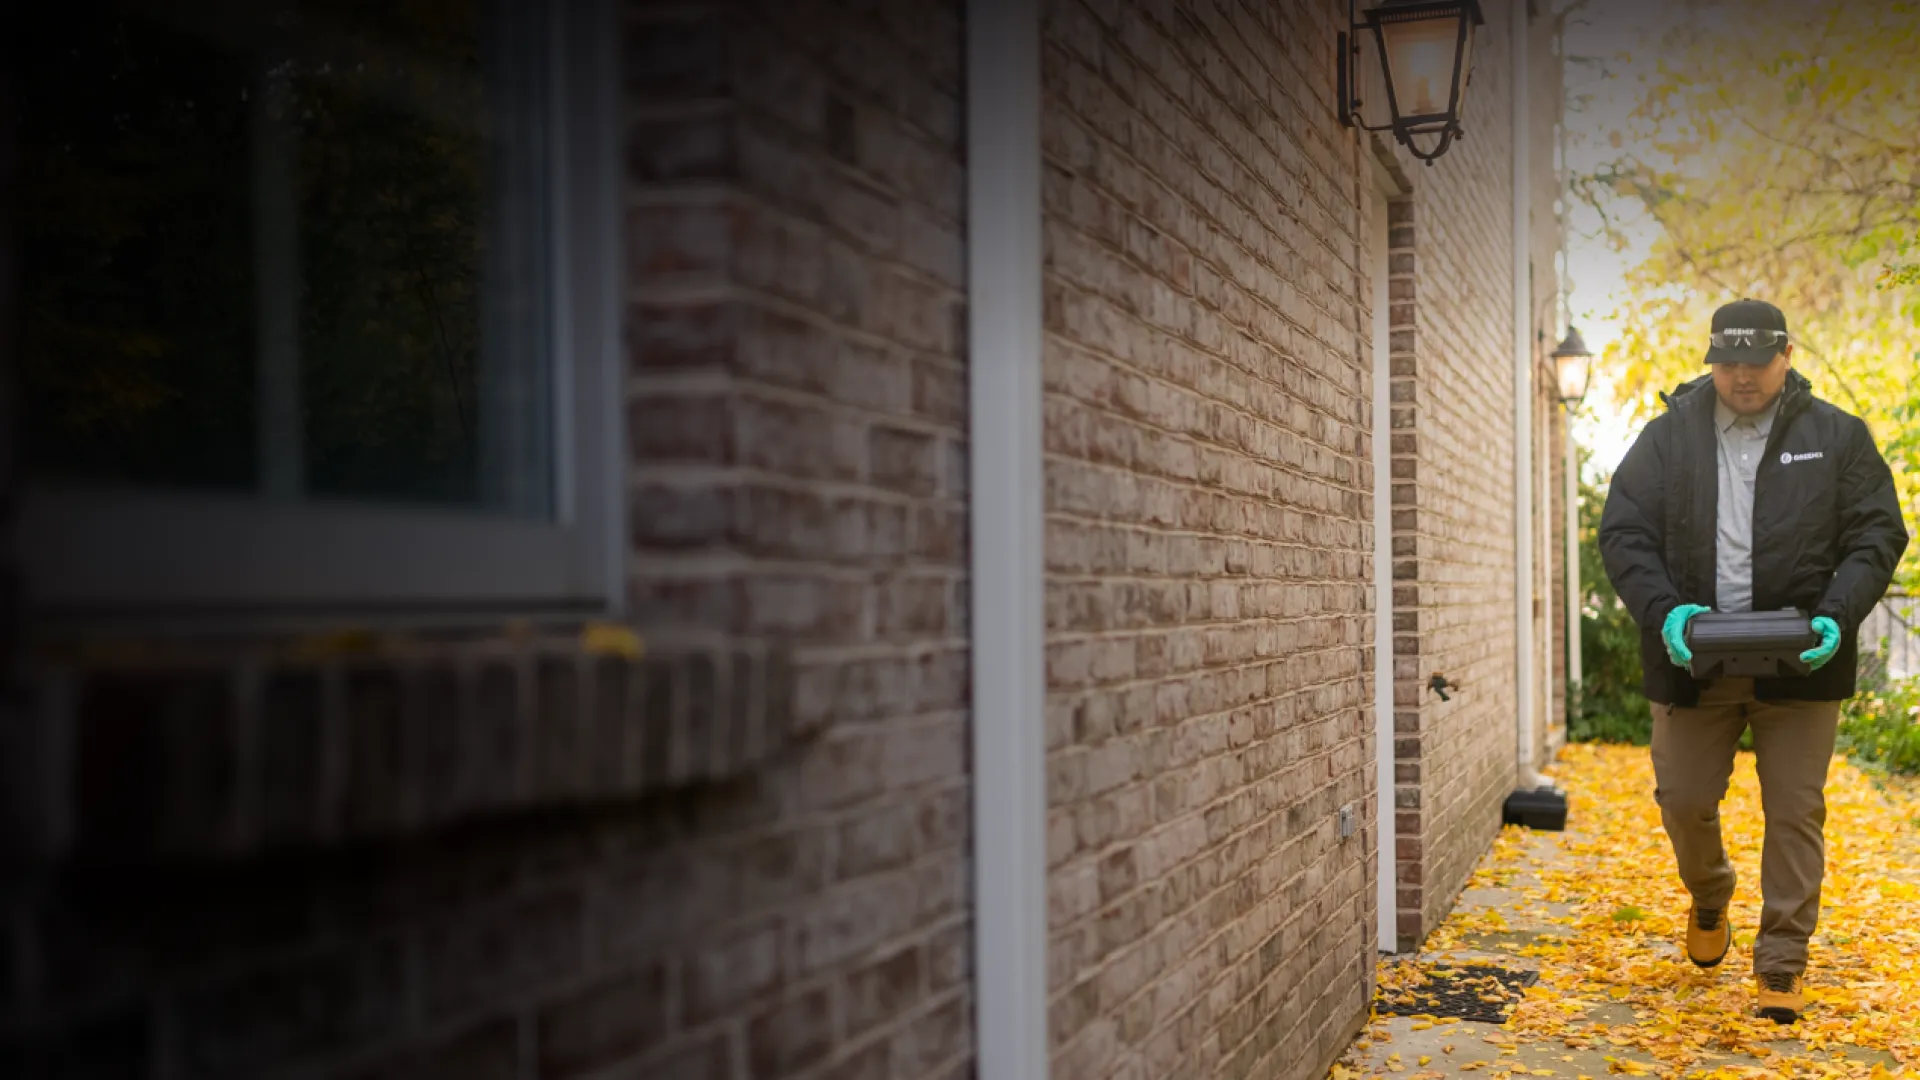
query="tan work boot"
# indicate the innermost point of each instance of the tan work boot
(1708, 936)
(1783, 996)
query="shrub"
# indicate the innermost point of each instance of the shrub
(1609, 707)
(1880, 727)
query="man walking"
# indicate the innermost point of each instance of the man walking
(1750, 494)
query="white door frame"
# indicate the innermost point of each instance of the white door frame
(1008, 532)
(1385, 834)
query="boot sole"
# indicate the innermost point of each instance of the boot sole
(1780, 1016)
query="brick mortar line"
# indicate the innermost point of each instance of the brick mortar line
(1225, 232)
(753, 199)
(1173, 531)
(1229, 147)
(728, 195)
(1329, 988)
(1094, 637)
(1140, 683)
(703, 564)
(1197, 904)
(1202, 486)
(736, 385)
(1065, 636)
(1193, 814)
(1327, 480)
(828, 66)
(1111, 38)
(1145, 732)
(1237, 580)
(854, 813)
(1259, 665)
(742, 294)
(830, 490)
(1127, 259)
(1206, 399)
(1256, 377)
(780, 130)
(1252, 332)
(690, 474)
(1202, 993)
(1200, 74)
(1124, 365)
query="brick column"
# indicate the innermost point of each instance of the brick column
(1409, 673)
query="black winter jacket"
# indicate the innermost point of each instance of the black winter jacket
(1827, 533)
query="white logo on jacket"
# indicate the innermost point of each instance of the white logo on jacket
(1787, 457)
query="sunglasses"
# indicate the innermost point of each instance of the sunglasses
(1747, 339)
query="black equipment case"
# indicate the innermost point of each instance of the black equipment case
(1758, 645)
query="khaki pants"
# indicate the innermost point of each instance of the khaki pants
(1692, 760)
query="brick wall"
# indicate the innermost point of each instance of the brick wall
(1209, 509)
(798, 421)
(742, 855)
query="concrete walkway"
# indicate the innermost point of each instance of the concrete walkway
(1533, 899)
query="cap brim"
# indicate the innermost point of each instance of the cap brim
(1757, 355)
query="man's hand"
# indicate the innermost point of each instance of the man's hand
(1829, 643)
(1674, 633)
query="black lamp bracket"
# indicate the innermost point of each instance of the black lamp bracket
(1349, 103)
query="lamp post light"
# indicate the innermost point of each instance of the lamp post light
(1426, 54)
(1573, 366)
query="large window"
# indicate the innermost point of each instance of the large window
(320, 305)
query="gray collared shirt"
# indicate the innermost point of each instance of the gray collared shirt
(1742, 442)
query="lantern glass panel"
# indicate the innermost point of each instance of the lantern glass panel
(1420, 62)
(1573, 376)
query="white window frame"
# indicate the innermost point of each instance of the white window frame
(134, 553)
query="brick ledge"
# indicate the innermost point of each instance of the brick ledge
(205, 760)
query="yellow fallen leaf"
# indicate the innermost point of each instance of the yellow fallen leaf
(612, 639)
(334, 645)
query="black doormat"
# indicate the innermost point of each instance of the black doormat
(1466, 992)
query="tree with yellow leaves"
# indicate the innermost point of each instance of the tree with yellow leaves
(1778, 150)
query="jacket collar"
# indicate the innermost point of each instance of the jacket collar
(1699, 394)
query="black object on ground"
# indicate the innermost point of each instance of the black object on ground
(1750, 645)
(1543, 810)
(1481, 992)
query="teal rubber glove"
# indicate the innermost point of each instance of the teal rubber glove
(1674, 633)
(1829, 643)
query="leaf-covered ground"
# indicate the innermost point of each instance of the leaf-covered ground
(1598, 911)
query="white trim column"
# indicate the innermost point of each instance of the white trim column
(1008, 537)
(1575, 672)
(1386, 897)
(1524, 659)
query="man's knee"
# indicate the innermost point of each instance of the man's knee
(1699, 804)
(1805, 807)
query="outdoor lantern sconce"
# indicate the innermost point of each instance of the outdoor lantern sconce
(1573, 363)
(1426, 49)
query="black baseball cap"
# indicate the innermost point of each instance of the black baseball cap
(1747, 332)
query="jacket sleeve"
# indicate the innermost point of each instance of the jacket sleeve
(1871, 537)
(1632, 531)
